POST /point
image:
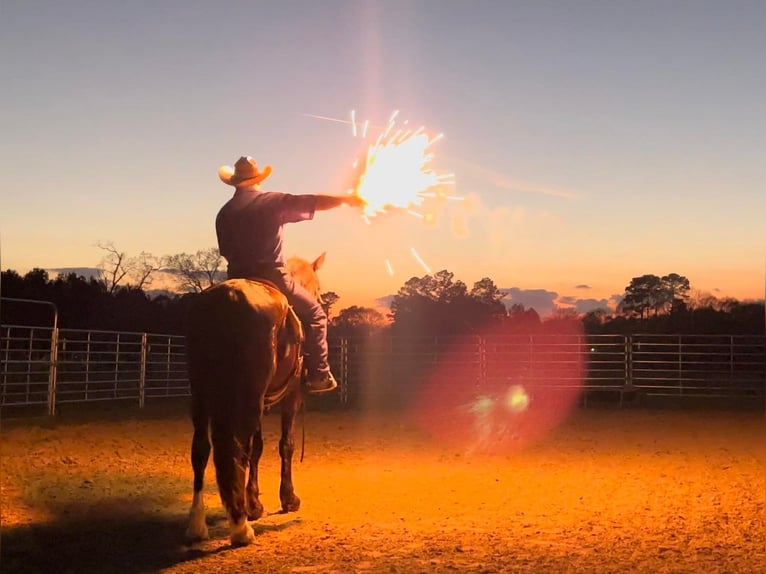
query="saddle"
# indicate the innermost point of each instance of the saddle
(290, 336)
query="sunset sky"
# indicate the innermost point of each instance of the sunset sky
(593, 141)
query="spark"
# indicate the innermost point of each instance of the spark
(420, 260)
(396, 171)
(436, 139)
(327, 118)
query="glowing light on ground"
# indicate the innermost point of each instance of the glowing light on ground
(517, 399)
(528, 385)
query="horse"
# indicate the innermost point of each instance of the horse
(244, 354)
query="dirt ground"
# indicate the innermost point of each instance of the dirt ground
(611, 490)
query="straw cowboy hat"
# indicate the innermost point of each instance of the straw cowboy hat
(244, 173)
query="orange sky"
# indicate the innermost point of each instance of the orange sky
(594, 142)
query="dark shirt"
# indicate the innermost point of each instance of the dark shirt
(250, 228)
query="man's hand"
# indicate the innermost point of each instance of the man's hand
(355, 200)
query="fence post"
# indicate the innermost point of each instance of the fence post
(344, 370)
(142, 374)
(680, 363)
(53, 372)
(628, 362)
(731, 360)
(482, 361)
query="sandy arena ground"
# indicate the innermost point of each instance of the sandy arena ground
(632, 490)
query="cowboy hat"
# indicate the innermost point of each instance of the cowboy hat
(244, 173)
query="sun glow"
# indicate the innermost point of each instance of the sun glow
(395, 171)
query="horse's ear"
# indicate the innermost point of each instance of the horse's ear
(319, 261)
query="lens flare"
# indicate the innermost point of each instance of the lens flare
(494, 392)
(517, 399)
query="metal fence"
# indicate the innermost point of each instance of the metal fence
(50, 366)
(45, 366)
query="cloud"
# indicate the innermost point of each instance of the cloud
(500, 223)
(586, 305)
(541, 300)
(87, 272)
(385, 301)
(502, 181)
(582, 286)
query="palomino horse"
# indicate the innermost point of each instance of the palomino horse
(244, 348)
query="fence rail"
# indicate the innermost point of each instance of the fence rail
(46, 366)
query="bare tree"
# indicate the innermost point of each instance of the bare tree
(196, 272)
(116, 269)
(111, 268)
(142, 268)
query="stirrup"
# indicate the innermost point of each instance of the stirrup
(321, 383)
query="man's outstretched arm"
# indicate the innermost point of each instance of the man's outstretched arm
(325, 202)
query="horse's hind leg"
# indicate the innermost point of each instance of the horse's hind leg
(231, 453)
(290, 405)
(252, 492)
(200, 452)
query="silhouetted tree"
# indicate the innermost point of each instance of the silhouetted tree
(329, 298)
(675, 289)
(594, 320)
(521, 320)
(440, 304)
(116, 269)
(196, 272)
(652, 293)
(489, 296)
(13, 284)
(359, 319)
(641, 295)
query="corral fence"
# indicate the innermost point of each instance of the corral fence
(49, 366)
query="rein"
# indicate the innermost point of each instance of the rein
(303, 428)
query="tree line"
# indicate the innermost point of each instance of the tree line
(434, 304)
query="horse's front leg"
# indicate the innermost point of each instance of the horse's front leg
(200, 452)
(252, 501)
(290, 405)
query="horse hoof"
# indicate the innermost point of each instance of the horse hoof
(256, 513)
(242, 536)
(197, 529)
(196, 534)
(293, 505)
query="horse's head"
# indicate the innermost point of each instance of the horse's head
(305, 273)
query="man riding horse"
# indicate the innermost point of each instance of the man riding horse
(250, 233)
